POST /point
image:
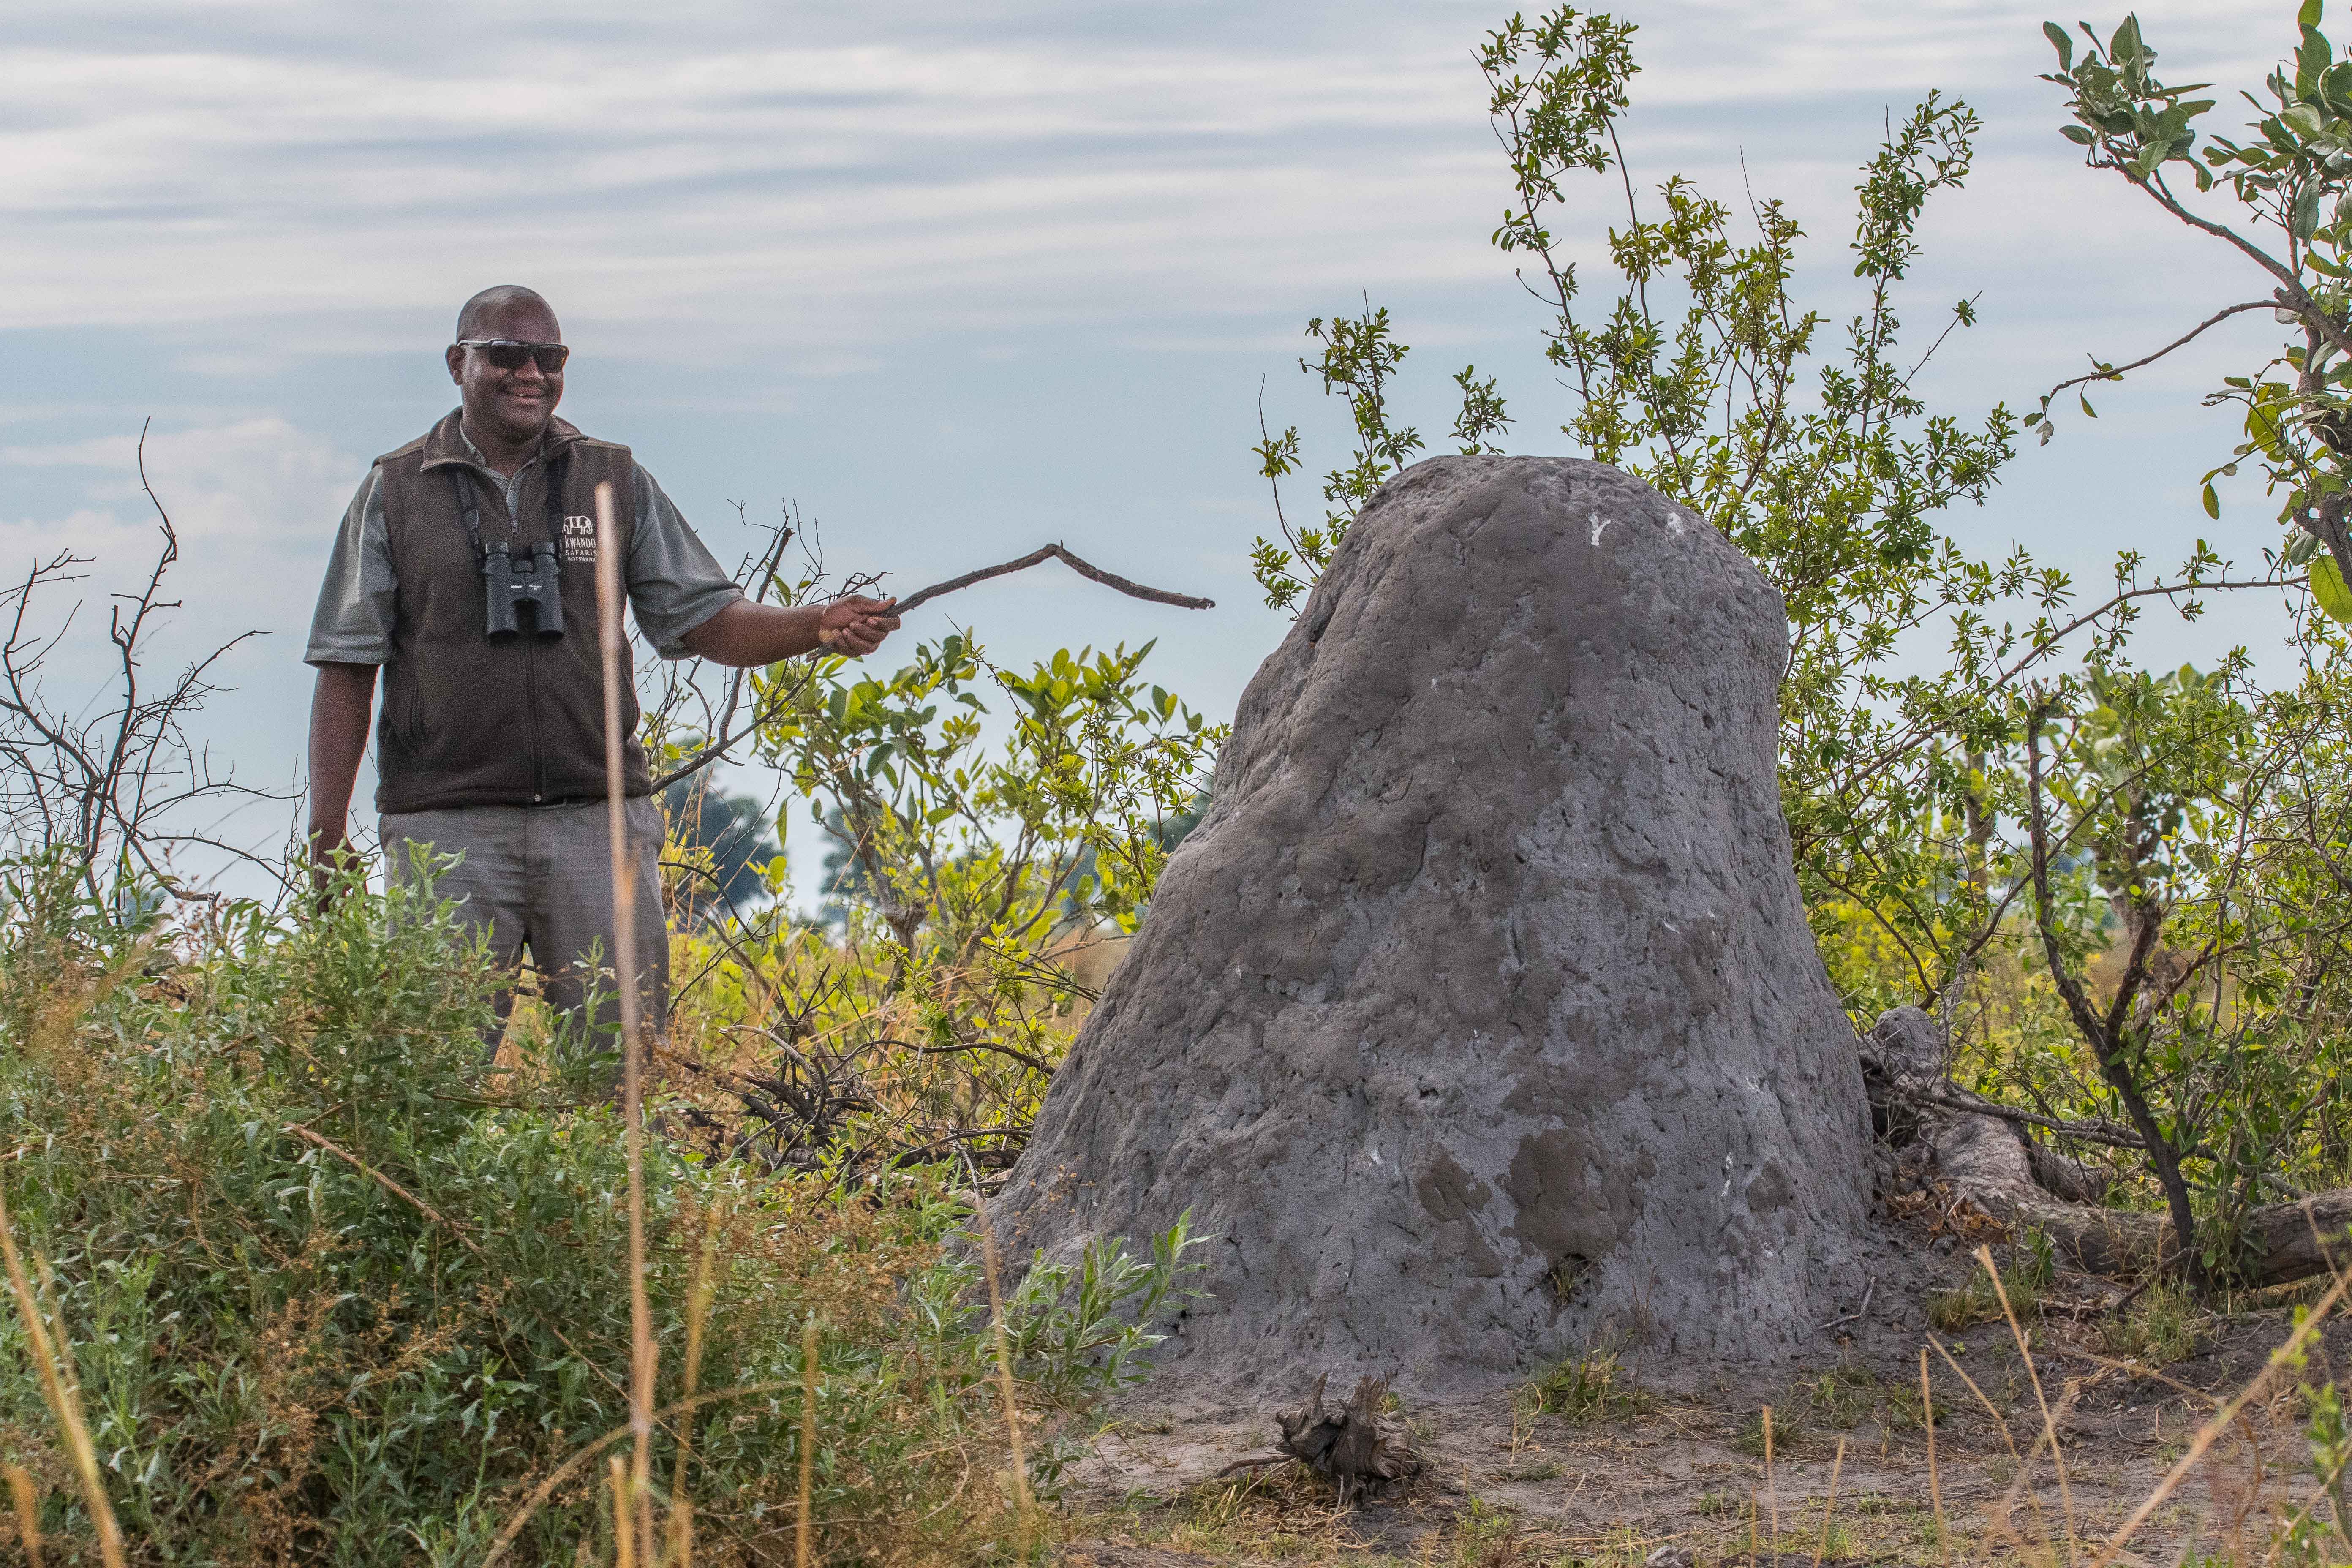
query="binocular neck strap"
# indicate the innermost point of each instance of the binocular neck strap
(558, 472)
(470, 500)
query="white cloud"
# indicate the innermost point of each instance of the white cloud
(765, 205)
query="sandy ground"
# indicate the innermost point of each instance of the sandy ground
(1648, 1474)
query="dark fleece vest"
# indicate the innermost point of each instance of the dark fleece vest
(468, 721)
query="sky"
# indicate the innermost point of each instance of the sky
(961, 279)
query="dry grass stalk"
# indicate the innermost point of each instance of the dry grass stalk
(64, 1399)
(28, 1514)
(1022, 1502)
(572, 1467)
(2049, 1427)
(680, 1549)
(2000, 1423)
(1828, 1509)
(804, 1532)
(624, 1542)
(2220, 1423)
(1935, 1483)
(1771, 1489)
(641, 1331)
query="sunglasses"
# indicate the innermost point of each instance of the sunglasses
(509, 353)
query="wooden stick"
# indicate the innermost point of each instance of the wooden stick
(1054, 553)
(625, 969)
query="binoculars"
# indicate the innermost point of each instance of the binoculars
(508, 583)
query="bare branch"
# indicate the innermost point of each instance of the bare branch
(1055, 552)
(2116, 372)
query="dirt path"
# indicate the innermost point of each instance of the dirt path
(1630, 1474)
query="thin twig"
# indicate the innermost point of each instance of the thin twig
(804, 1528)
(1022, 1506)
(1935, 1482)
(388, 1185)
(2096, 1130)
(2116, 372)
(1829, 1509)
(1854, 1316)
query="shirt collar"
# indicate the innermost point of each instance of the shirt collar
(475, 452)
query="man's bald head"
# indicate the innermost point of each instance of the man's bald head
(506, 407)
(480, 313)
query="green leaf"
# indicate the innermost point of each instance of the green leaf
(2125, 45)
(2308, 16)
(2311, 62)
(2213, 503)
(2328, 587)
(2064, 44)
(2088, 411)
(2076, 134)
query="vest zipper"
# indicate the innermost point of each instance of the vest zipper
(530, 701)
(530, 683)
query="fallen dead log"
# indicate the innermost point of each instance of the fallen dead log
(1991, 1162)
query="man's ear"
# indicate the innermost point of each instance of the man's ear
(455, 357)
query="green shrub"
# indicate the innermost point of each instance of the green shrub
(336, 1287)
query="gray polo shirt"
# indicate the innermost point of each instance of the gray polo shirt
(675, 585)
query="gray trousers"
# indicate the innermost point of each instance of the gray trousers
(540, 877)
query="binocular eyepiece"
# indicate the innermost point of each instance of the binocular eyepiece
(535, 581)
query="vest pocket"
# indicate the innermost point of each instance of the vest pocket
(404, 711)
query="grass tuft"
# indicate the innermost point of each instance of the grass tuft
(2158, 1329)
(1591, 1386)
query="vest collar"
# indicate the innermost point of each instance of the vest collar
(445, 443)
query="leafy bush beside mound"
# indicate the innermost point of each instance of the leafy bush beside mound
(336, 1287)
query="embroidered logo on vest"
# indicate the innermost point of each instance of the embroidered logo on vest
(580, 540)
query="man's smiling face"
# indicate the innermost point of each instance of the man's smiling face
(509, 404)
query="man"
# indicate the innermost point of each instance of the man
(466, 569)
